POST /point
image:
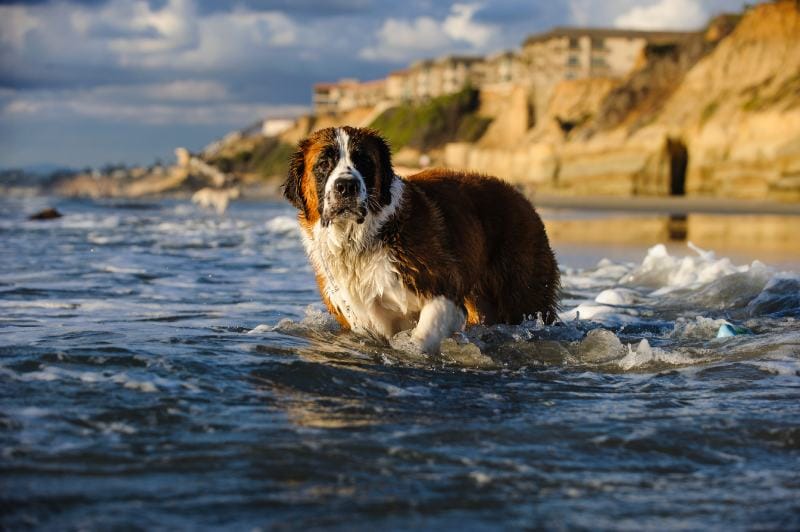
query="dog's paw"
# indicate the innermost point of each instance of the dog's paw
(408, 343)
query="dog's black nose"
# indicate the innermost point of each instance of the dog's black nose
(346, 187)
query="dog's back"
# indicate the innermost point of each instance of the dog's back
(490, 236)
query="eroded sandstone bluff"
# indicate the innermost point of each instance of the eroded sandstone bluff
(717, 116)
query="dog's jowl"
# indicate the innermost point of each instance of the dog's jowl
(432, 252)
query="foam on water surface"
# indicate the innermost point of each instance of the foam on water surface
(283, 225)
(663, 312)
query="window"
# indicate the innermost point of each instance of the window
(572, 60)
(574, 43)
(599, 62)
(598, 43)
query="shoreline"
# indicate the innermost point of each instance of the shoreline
(665, 205)
(607, 220)
(732, 227)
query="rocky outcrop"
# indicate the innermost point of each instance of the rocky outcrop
(571, 107)
(718, 115)
(46, 214)
(638, 100)
(190, 173)
(509, 108)
(535, 164)
(742, 131)
(522, 147)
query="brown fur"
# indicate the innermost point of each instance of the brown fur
(477, 241)
(468, 237)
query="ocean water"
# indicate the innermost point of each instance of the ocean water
(162, 367)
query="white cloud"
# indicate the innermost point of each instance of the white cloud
(460, 26)
(231, 37)
(648, 14)
(187, 90)
(15, 23)
(664, 15)
(141, 105)
(173, 102)
(23, 106)
(402, 40)
(224, 113)
(132, 33)
(45, 33)
(133, 27)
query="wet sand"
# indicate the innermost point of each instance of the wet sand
(769, 238)
(747, 230)
(666, 205)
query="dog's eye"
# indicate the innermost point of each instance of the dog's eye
(324, 163)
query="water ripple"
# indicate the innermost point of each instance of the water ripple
(163, 367)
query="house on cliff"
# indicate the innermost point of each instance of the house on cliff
(544, 60)
(574, 53)
(347, 94)
(503, 68)
(424, 79)
(566, 53)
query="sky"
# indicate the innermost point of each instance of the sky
(85, 83)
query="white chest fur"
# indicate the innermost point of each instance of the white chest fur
(364, 284)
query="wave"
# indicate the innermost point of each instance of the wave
(666, 311)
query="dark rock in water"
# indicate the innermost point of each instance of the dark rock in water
(46, 214)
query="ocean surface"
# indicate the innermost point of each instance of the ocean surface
(162, 367)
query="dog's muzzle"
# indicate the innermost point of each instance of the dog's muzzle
(344, 201)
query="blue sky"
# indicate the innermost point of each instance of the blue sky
(97, 81)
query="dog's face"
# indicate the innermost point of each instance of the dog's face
(340, 175)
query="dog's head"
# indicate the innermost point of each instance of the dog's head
(340, 174)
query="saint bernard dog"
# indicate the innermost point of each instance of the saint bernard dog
(434, 251)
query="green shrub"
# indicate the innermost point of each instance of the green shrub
(788, 92)
(431, 124)
(422, 126)
(268, 157)
(271, 159)
(708, 111)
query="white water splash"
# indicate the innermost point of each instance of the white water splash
(677, 305)
(283, 225)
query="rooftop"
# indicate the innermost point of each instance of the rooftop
(566, 31)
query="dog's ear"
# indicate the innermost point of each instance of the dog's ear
(384, 167)
(293, 186)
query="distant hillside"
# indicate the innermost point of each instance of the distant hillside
(253, 158)
(417, 128)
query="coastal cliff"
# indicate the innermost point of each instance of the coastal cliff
(713, 116)
(713, 113)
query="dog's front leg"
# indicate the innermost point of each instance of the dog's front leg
(438, 319)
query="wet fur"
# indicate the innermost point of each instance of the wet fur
(434, 250)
